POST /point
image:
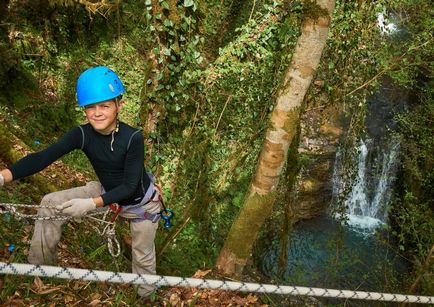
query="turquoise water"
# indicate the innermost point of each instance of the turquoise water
(321, 253)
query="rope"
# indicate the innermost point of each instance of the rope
(158, 281)
(12, 209)
(108, 231)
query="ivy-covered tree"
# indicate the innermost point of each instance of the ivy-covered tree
(284, 122)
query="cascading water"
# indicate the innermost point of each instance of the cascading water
(324, 252)
(370, 191)
(359, 253)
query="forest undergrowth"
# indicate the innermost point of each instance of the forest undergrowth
(81, 247)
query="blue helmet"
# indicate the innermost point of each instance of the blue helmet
(98, 84)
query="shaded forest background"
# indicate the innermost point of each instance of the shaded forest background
(201, 78)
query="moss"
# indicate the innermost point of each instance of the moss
(245, 230)
(291, 122)
(311, 10)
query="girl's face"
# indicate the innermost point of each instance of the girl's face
(103, 115)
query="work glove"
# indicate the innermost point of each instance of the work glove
(2, 180)
(77, 207)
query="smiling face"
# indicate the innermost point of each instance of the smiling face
(103, 115)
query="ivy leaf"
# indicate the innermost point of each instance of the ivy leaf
(188, 3)
(166, 51)
(159, 76)
(168, 23)
(165, 5)
(159, 87)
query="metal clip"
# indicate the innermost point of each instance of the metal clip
(167, 215)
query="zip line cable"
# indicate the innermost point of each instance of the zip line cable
(158, 281)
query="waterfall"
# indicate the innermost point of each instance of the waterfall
(367, 193)
(320, 252)
(326, 252)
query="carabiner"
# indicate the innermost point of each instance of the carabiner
(167, 215)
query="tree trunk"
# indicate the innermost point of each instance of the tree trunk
(283, 128)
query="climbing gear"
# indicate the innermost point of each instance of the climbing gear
(142, 214)
(136, 210)
(116, 210)
(166, 214)
(6, 208)
(108, 231)
(226, 285)
(98, 84)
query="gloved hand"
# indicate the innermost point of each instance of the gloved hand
(2, 180)
(77, 207)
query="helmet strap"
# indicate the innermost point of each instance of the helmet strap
(113, 134)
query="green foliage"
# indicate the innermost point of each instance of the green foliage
(414, 210)
(213, 112)
(415, 226)
(213, 78)
(209, 155)
(358, 53)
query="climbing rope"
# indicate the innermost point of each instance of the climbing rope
(108, 231)
(158, 281)
(12, 208)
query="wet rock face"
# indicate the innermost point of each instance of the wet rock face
(319, 138)
(314, 187)
(321, 129)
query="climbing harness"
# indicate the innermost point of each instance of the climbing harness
(108, 230)
(166, 214)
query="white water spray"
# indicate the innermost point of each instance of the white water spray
(370, 191)
(385, 26)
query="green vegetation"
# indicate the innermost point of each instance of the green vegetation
(413, 212)
(210, 70)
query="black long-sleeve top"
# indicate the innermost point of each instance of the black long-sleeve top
(118, 165)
